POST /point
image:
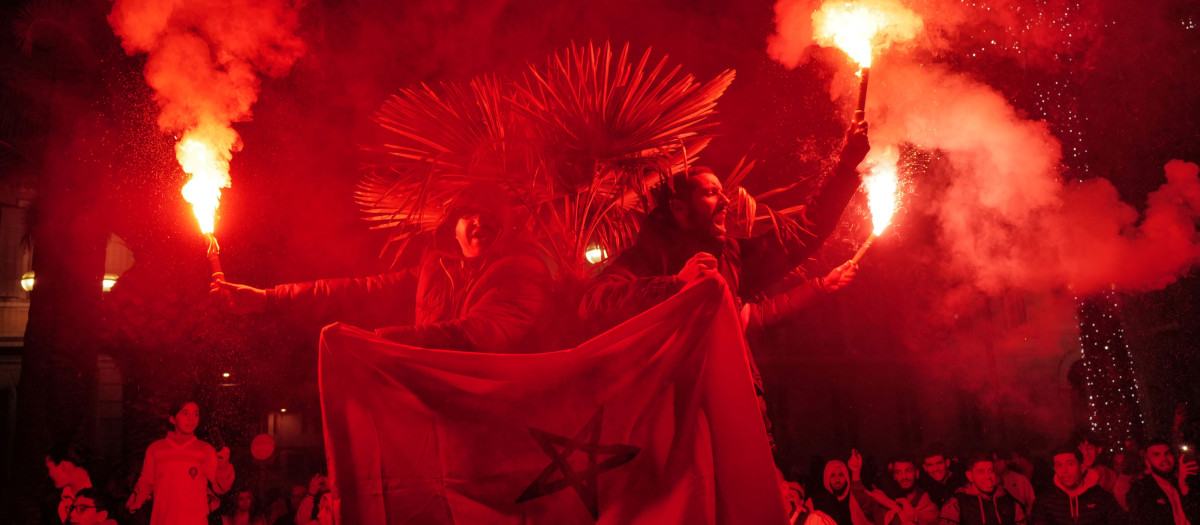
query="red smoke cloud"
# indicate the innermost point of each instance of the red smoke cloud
(1006, 219)
(203, 61)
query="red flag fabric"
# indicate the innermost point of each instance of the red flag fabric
(653, 422)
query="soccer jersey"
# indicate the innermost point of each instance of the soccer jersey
(176, 475)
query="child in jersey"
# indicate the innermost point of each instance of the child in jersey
(177, 471)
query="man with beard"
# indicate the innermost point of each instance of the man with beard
(843, 495)
(684, 239)
(912, 506)
(939, 481)
(480, 288)
(1162, 497)
(1078, 500)
(981, 501)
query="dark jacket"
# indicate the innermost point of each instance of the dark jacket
(970, 507)
(1149, 505)
(1086, 505)
(497, 302)
(941, 491)
(643, 275)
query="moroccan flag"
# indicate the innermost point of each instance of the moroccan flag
(652, 422)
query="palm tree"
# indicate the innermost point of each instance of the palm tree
(577, 142)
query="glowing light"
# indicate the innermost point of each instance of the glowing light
(856, 27)
(226, 374)
(208, 165)
(28, 280)
(595, 254)
(881, 185)
(283, 410)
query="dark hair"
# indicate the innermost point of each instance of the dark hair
(937, 448)
(177, 405)
(70, 451)
(677, 186)
(975, 459)
(1083, 435)
(1068, 449)
(99, 499)
(1157, 440)
(904, 459)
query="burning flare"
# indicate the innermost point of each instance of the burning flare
(855, 27)
(208, 164)
(881, 185)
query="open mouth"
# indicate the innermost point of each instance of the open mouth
(719, 221)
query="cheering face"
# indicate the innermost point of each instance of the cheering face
(1067, 470)
(707, 206)
(983, 477)
(936, 467)
(475, 233)
(1161, 460)
(1089, 452)
(83, 512)
(905, 474)
(187, 419)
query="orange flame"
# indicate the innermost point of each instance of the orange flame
(855, 27)
(205, 156)
(881, 185)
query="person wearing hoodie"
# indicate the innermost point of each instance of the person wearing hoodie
(1078, 500)
(480, 288)
(981, 501)
(1163, 497)
(844, 494)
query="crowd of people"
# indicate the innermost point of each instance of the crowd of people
(1150, 485)
(183, 481)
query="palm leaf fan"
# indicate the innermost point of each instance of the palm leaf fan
(437, 144)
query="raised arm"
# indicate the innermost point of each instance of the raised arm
(768, 257)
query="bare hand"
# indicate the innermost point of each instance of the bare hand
(840, 277)
(239, 298)
(700, 265)
(1186, 468)
(223, 455)
(317, 485)
(855, 462)
(857, 144)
